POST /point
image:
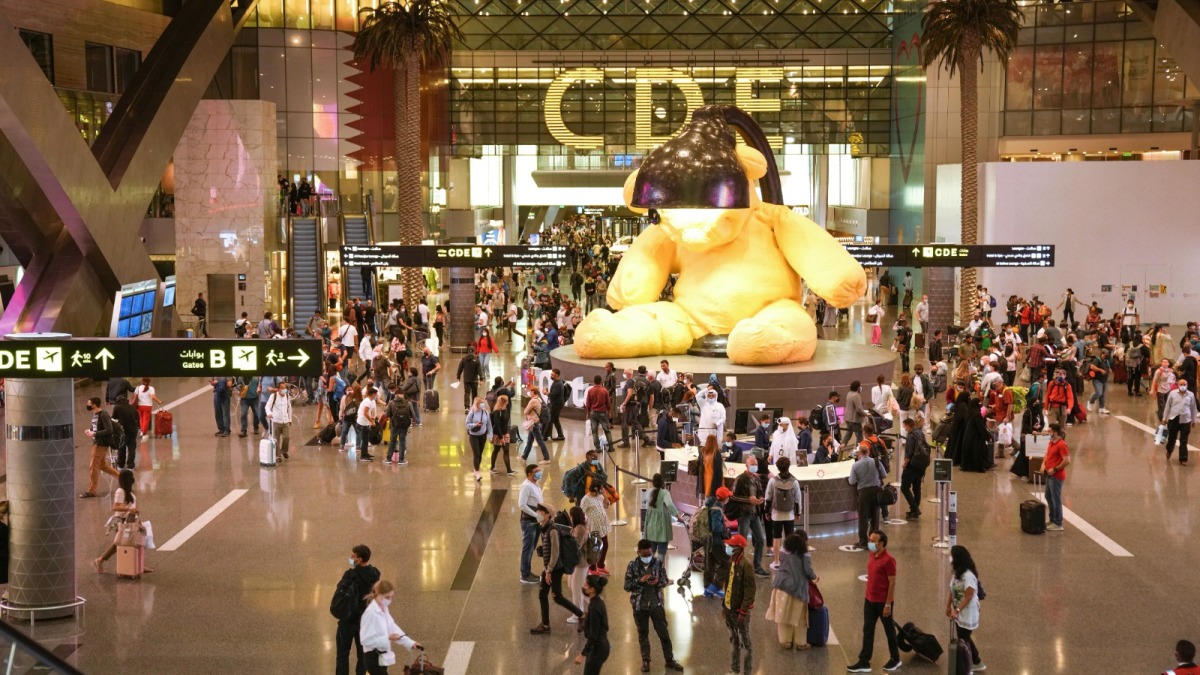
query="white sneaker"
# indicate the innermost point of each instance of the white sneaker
(1054, 528)
(978, 668)
(573, 619)
(1104, 411)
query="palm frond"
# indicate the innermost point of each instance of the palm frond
(395, 32)
(955, 30)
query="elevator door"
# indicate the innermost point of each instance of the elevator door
(222, 304)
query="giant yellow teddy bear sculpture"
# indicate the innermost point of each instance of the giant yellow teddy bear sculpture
(739, 275)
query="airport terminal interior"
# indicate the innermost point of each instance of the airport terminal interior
(777, 197)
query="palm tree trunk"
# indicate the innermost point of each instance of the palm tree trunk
(407, 101)
(968, 89)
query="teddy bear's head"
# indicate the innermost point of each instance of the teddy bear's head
(703, 229)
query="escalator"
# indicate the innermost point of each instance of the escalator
(306, 274)
(356, 231)
(1176, 25)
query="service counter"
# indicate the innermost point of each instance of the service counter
(831, 497)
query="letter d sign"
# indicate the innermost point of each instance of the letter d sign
(216, 358)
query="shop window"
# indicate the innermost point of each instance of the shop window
(41, 46)
(98, 63)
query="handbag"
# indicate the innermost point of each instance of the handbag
(1160, 435)
(815, 599)
(149, 534)
(888, 495)
(1004, 433)
(527, 423)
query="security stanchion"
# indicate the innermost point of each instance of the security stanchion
(637, 458)
(804, 514)
(617, 521)
(942, 540)
(952, 524)
(899, 464)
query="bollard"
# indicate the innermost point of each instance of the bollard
(804, 514)
(618, 521)
(952, 509)
(942, 540)
(637, 458)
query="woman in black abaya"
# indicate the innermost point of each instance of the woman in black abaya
(974, 454)
(958, 424)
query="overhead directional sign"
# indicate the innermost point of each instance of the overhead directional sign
(102, 359)
(453, 255)
(953, 255)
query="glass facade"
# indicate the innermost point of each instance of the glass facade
(1091, 68)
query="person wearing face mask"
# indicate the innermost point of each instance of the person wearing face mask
(880, 597)
(1054, 467)
(479, 429)
(1179, 415)
(594, 505)
(578, 479)
(739, 603)
(552, 534)
(1060, 397)
(528, 500)
(712, 414)
(355, 584)
(596, 647)
(645, 577)
(730, 450)
(103, 437)
(743, 507)
(379, 630)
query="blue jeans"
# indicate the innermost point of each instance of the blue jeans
(535, 433)
(751, 526)
(529, 536)
(221, 413)
(484, 359)
(364, 437)
(659, 548)
(347, 425)
(250, 406)
(416, 411)
(1054, 500)
(1098, 392)
(400, 440)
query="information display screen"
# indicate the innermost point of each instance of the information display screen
(136, 310)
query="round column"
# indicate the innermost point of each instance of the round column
(40, 455)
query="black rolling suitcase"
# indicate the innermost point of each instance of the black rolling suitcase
(432, 400)
(328, 433)
(960, 657)
(1033, 512)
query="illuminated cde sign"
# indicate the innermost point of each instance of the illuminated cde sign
(102, 359)
(644, 79)
(452, 255)
(952, 255)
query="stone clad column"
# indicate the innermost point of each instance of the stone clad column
(40, 455)
(462, 309)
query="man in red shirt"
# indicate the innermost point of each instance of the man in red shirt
(1055, 468)
(881, 594)
(1000, 403)
(596, 403)
(1185, 654)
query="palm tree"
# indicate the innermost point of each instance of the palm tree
(956, 33)
(407, 37)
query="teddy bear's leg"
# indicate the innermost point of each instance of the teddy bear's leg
(782, 332)
(640, 330)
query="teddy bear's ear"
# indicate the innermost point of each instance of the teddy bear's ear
(752, 161)
(629, 193)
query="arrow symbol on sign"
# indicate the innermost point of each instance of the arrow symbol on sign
(301, 358)
(104, 355)
(916, 251)
(487, 252)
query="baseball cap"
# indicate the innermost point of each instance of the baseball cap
(736, 540)
(724, 493)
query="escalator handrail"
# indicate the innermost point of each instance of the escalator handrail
(45, 656)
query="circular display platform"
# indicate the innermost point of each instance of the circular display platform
(788, 387)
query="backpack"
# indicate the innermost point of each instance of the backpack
(920, 459)
(344, 603)
(339, 388)
(520, 314)
(572, 482)
(784, 500)
(702, 525)
(544, 414)
(239, 329)
(197, 309)
(640, 390)
(992, 301)
(926, 386)
(593, 547)
(568, 552)
(400, 412)
(816, 418)
(117, 438)
(1056, 393)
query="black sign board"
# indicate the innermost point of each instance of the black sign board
(669, 470)
(453, 255)
(953, 255)
(102, 359)
(942, 469)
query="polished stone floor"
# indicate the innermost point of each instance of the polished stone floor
(248, 593)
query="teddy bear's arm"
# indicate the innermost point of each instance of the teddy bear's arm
(818, 258)
(643, 270)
